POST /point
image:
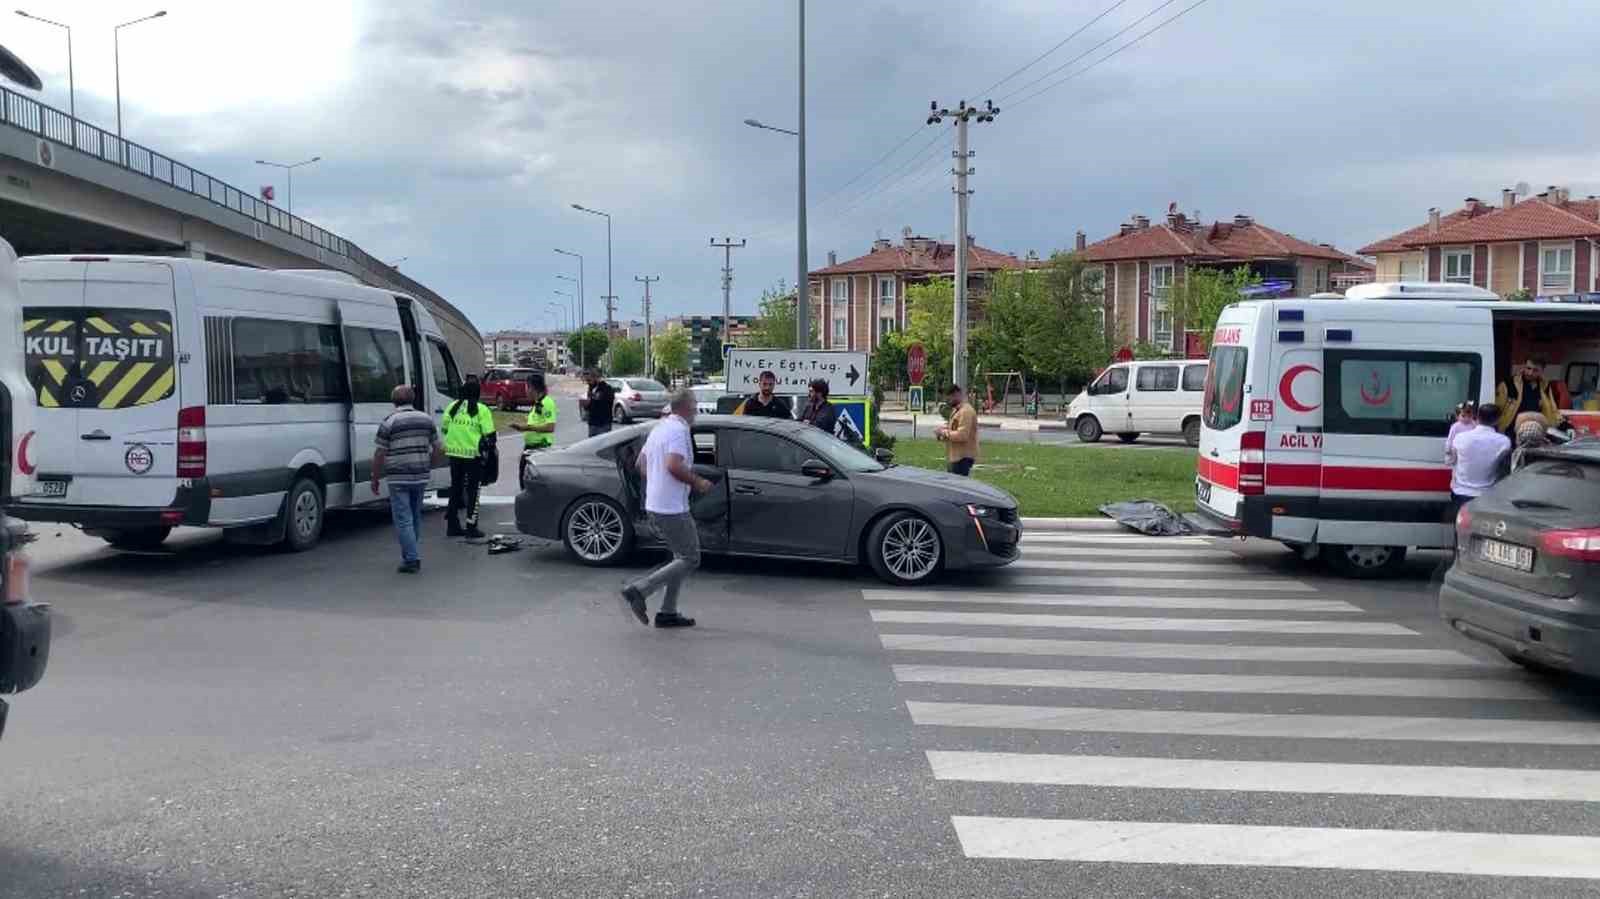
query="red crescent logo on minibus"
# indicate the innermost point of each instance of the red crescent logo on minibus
(24, 464)
(1286, 388)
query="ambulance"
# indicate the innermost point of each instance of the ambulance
(1323, 420)
(170, 392)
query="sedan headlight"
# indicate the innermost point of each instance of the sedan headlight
(977, 511)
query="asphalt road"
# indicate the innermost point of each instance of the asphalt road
(233, 721)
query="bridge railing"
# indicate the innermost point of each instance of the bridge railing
(59, 128)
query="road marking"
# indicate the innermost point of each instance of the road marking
(1059, 551)
(1225, 603)
(1236, 724)
(1119, 623)
(1533, 784)
(1130, 539)
(485, 501)
(1209, 652)
(1225, 567)
(1252, 584)
(1269, 684)
(1169, 843)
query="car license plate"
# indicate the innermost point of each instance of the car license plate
(1202, 490)
(50, 488)
(1506, 554)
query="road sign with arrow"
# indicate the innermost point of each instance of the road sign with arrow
(846, 372)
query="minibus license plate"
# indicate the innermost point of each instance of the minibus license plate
(50, 488)
(1202, 490)
(1518, 557)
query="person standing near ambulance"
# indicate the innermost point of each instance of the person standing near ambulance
(465, 425)
(1525, 391)
(1478, 457)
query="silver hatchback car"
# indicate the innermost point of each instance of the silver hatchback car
(637, 398)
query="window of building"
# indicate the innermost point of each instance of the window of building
(841, 310)
(1094, 281)
(1458, 266)
(1322, 279)
(888, 320)
(286, 362)
(1161, 305)
(1157, 378)
(1396, 393)
(1555, 269)
(377, 363)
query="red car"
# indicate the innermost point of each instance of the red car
(508, 387)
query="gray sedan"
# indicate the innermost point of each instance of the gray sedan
(783, 489)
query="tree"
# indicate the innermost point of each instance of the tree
(774, 327)
(886, 369)
(503, 357)
(711, 354)
(671, 350)
(1201, 295)
(588, 344)
(627, 357)
(930, 316)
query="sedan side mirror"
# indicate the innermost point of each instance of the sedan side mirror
(811, 468)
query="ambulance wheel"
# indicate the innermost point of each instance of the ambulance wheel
(1191, 432)
(1089, 430)
(596, 531)
(1128, 436)
(137, 538)
(303, 513)
(1364, 561)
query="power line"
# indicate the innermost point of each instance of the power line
(875, 163)
(894, 175)
(1063, 42)
(1157, 27)
(1069, 63)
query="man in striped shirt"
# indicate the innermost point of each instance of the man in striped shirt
(408, 447)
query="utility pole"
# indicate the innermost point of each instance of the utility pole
(962, 114)
(728, 246)
(802, 283)
(647, 280)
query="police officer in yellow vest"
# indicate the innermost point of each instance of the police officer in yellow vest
(466, 422)
(540, 432)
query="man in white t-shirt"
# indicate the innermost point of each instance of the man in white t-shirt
(667, 465)
(1476, 457)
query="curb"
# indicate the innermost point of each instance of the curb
(1099, 525)
(1003, 424)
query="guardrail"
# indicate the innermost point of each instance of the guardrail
(60, 128)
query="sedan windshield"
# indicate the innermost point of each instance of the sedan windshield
(837, 453)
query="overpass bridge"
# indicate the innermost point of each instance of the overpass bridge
(67, 186)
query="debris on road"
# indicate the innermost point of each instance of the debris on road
(1147, 517)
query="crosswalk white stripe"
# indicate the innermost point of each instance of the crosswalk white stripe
(1114, 539)
(1533, 784)
(1268, 684)
(1221, 603)
(1120, 623)
(1118, 649)
(1225, 567)
(1235, 584)
(1109, 553)
(1170, 843)
(1237, 724)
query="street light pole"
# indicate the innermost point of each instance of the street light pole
(611, 295)
(583, 349)
(290, 170)
(647, 280)
(802, 284)
(116, 51)
(72, 85)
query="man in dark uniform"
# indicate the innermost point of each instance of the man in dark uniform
(598, 403)
(766, 404)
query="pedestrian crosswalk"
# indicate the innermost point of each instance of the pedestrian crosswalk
(1176, 666)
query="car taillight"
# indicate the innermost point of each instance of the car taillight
(18, 568)
(637, 396)
(192, 442)
(1253, 462)
(1464, 521)
(1582, 544)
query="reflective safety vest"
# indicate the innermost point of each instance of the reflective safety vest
(542, 413)
(462, 432)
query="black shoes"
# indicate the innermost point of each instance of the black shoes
(673, 619)
(633, 602)
(472, 532)
(410, 567)
(453, 529)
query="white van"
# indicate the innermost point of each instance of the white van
(180, 392)
(1133, 398)
(1324, 420)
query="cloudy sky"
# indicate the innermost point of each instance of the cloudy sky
(457, 133)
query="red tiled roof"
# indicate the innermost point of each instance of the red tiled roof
(1533, 219)
(1401, 242)
(939, 258)
(1220, 241)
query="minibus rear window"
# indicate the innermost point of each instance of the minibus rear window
(1223, 403)
(98, 358)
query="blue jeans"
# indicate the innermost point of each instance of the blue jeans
(405, 501)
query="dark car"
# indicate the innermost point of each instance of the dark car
(782, 489)
(1526, 578)
(24, 624)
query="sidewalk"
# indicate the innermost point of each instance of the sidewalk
(1002, 422)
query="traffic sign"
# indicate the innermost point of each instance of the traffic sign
(916, 362)
(846, 372)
